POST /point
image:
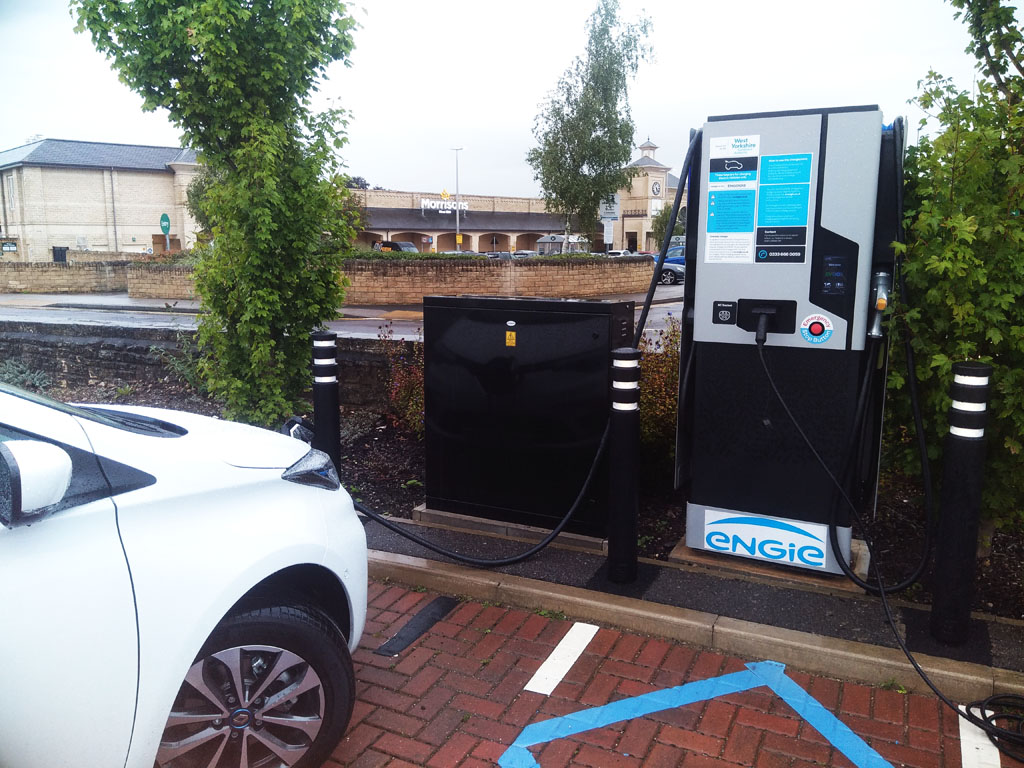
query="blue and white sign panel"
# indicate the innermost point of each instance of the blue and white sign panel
(732, 198)
(792, 542)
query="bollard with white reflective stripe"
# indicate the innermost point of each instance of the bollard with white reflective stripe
(963, 463)
(623, 465)
(327, 427)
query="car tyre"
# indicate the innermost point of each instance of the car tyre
(297, 693)
(668, 277)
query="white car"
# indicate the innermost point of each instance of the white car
(616, 254)
(175, 590)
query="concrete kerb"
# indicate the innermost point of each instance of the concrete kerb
(843, 659)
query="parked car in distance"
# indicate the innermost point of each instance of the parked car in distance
(523, 254)
(499, 255)
(191, 588)
(673, 271)
(616, 254)
(395, 245)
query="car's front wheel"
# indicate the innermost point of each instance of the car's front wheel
(271, 688)
(668, 277)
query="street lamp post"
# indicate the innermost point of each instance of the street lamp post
(458, 233)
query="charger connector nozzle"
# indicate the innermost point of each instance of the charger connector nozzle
(763, 314)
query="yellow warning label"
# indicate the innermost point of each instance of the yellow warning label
(510, 338)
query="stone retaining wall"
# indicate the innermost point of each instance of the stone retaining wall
(372, 282)
(407, 282)
(50, 277)
(160, 281)
(78, 355)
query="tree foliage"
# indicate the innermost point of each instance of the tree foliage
(965, 247)
(659, 223)
(237, 78)
(585, 132)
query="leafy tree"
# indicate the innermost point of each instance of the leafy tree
(237, 78)
(659, 223)
(585, 131)
(195, 198)
(965, 247)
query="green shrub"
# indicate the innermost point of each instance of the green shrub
(965, 271)
(20, 375)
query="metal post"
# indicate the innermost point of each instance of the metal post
(623, 464)
(458, 200)
(326, 416)
(963, 468)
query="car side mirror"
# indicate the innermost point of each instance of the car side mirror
(33, 475)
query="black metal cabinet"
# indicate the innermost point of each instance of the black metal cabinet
(516, 399)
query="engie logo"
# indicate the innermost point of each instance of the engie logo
(764, 538)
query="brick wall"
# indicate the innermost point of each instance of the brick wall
(48, 277)
(160, 281)
(373, 282)
(407, 282)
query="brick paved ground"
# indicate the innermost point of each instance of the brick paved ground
(456, 698)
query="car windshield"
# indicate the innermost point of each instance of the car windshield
(131, 422)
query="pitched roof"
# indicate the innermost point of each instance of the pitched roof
(646, 162)
(92, 154)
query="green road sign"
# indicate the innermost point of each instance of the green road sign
(165, 223)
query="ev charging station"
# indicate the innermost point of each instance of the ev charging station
(791, 215)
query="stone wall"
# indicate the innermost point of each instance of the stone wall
(373, 282)
(407, 282)
(160, 281)
(78, 355)
(49, 277)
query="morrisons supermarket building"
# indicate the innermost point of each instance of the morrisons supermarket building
(511, 223)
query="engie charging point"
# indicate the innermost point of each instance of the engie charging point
(789, 261)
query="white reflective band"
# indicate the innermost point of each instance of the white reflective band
(625, 406)
(325, 379)
(959, 405)
(324, 361)
(961, 432)
(325, 343)
(972, 381)
(625, 363)
(625, 385)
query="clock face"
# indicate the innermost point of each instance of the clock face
(656, 188)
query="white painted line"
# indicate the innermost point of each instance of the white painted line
(976, 751)
(555, 667)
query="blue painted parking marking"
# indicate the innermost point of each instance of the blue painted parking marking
(770, 674)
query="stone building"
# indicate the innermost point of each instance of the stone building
(57, 195)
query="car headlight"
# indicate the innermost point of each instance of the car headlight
(316, 469)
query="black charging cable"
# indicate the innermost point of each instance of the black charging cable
(1009, 739)
(641, 323)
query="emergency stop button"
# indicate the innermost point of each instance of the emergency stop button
(816, 328)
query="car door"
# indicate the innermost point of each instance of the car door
(68, 637)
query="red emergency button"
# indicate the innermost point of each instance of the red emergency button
(816, 328)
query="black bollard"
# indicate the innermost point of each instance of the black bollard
(326, 416)
(623, 464)
(963, 468)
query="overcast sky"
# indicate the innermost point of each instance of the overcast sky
(429, 75)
